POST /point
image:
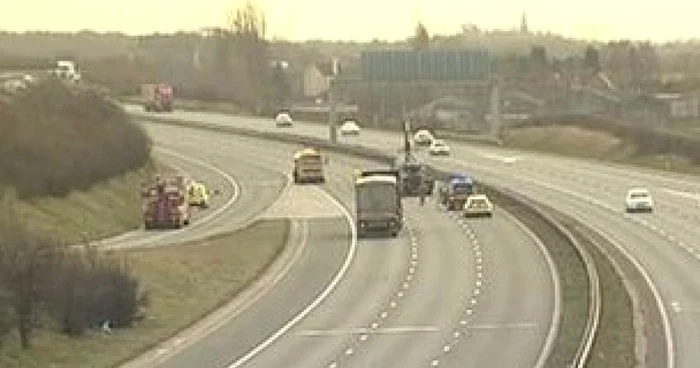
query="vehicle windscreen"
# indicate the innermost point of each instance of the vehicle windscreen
(639, 195)
(376, 197)
(412, 169)
(462, 188)
(310, 160)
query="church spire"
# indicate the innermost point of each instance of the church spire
(523, 24)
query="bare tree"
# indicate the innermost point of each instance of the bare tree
(248, 26)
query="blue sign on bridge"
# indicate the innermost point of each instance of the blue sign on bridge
(425, 65)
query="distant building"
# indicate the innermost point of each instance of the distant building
(680, 105)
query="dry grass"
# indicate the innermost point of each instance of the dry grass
(186, 282)
(582, 142)
(570, 140)
(107, 209)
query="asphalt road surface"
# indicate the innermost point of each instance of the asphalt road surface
(664, 243)
(446, 292)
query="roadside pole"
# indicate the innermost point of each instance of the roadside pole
(332, 99)
(496, 109)
(332, 131)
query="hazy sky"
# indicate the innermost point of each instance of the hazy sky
(365, 19)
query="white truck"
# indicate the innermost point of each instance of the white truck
(67, 70)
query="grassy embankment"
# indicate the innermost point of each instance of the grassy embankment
(68, 164)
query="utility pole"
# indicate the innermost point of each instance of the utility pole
(332, 131)
(496, 109)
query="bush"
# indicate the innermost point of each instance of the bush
(93, 289)
(58, 138)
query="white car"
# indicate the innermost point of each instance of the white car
(350, 127)
(439, 147)
(478, 205)
(283, 120)
(423, 138)
(639, 200)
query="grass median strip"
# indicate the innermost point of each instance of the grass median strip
(186, 282)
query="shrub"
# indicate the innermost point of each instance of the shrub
(93, 289)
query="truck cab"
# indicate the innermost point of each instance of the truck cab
(308, 166)
(166, 205)
(157, 97)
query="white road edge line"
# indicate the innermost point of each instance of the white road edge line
(668, 333)
(319, 299)
(215, 320)
(234, 197)
(229, 178)
(554, 273)
(670, 349)
(670, 363)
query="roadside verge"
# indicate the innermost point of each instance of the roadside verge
(185, 283)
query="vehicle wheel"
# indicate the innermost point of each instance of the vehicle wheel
(394, 234)
(186, 222)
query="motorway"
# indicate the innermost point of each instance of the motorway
(664, 243)
(446, 292)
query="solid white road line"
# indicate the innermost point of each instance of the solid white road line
(554, 274)
(316, 302)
